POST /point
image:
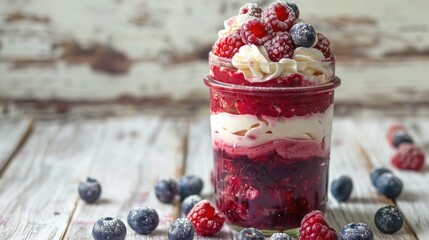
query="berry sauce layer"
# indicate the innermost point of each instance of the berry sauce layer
(270, 192)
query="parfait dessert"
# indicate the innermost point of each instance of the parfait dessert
(271, 79)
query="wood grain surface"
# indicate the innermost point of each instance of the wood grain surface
(99, 51)
(39, 199)
(13, 132)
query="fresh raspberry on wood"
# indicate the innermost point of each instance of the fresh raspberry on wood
(206, 220)
(314, 226)
(409, 157)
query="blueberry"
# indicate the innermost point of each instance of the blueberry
(294, 8)
(143, 220)
(341, 188)
(166, 190)
(109, 228)
(190, 185)
(189, 203)
(90, 190)
(356, 231)
(375, 173)
(401, 137)
(389, 185)
(303, 35)
(388, 219)
(181, 229)
(250, 234)
(280, 236)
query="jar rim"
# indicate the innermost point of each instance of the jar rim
(325, 87)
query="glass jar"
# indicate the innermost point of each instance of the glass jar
(271, 149)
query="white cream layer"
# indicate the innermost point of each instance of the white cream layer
(250, 131)
(254, 63)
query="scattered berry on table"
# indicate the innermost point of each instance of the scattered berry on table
(389, 185)
(356, 231)
(250, 234)
(401, 137)
(181, 229)
(251, 9)
(375, 173)
(294, 7)
(109, 228)
(388, 219)
(392, 130)
(143, 220)
(409, 157)
(166, 190)
(279, 47)
(190, 202)
(256, 31)
(323, 45)
(314, 225)
(280, 236)
(303, 35)
(90, 190)
(280, 16)
(341, 188)
(206, 220)
(228, 45)
(190, 185)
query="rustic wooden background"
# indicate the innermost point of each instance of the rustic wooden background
(65, 53)
(113, 90)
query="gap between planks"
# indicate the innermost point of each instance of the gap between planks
(13, 133)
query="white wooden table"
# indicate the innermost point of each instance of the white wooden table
(41, 169)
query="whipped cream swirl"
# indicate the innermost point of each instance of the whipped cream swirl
(233, 24)
(254, 63)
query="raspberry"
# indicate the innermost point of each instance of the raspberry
(228, 45)
(252, 9)
(279, 47)
(205, 219)
(280, 16)
(392, 130)
(313, 226)
(408, 157)
(256, 31)
(323, 45)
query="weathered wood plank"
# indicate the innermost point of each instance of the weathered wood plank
(413, 201)
(348, 157)
(134, 154)
(140, 49)
(13, 133)
(38, 188)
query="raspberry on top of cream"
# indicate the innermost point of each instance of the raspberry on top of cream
(275, 44)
